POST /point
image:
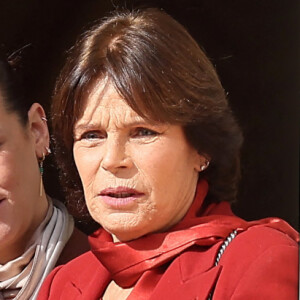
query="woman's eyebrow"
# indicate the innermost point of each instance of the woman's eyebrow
(85, 126)
(138, 123)
(122, 124)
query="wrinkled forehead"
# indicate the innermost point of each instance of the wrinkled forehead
(104, 105)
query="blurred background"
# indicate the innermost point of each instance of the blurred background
(255, 46)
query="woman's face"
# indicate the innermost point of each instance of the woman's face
(138, 177)
(21, 207)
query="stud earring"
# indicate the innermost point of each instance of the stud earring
(41, 166)
(48, 150)
(205, 166)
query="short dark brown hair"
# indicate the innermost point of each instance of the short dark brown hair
(163, 75)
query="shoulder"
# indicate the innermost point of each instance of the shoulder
(258, 239)
(266, 235)
(260, 262)
(72, 279)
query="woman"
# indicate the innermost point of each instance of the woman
(139, 111)
(35, 231)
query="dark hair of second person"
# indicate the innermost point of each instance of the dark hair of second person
(12, 91)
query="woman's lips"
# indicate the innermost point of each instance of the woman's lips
(120, 197)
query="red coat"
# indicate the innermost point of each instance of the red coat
(260, 263)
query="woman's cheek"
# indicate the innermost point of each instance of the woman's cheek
(85, 160)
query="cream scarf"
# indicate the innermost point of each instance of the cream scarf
(21, 278)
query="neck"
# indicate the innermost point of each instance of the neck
(114, 291)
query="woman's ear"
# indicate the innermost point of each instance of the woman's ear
(38, 129)
(202, 162)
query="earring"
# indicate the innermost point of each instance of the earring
(44, 119)
(205, 166)
(48, 150)
(41, 166)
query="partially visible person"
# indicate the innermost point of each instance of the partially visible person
(36, 232)
(140, 115)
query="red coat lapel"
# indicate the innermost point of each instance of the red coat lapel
(190, 276)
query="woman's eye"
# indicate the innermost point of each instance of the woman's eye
(144, 132)
(92, 135)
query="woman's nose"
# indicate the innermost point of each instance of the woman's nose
(115, 156)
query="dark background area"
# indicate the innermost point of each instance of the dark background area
(253, 44)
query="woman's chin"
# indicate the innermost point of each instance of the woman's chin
(124, 234)
(126, 226)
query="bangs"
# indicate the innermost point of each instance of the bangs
(150, 93)
(147, 83)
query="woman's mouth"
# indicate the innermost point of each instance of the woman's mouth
(119, 197)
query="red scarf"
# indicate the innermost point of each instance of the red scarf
(128, 261)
